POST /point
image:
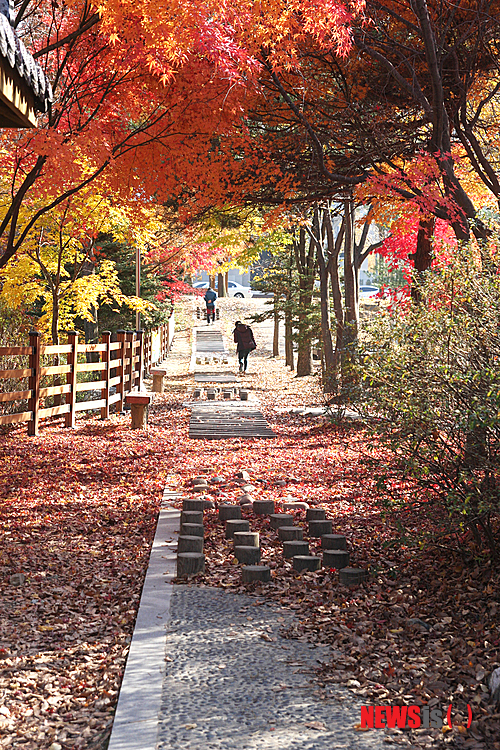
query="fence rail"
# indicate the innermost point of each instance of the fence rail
(120, 366)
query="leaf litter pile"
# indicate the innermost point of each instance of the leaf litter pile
(78, 517)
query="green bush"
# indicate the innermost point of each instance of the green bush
(431, 372)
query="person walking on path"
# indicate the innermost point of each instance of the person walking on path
(210, 298)
(243, 338)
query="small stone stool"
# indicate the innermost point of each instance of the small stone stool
(158, 383)
(263, 507)
(336, 558)
(227, 512)
(192, 504)
(247, 555)
(251, 573)
(352, 576)
(139, 407)
(193, 529)
(318, 528)
(290, 533)
(315, 514)
(233, 525)
(333, 541)
(295, 547)
(190, 544)
(193, 516)
(306, 562)
(280, 519)
(190, 564)
(243, 395)
(246, 539)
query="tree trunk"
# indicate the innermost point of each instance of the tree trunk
(304, 260)
(328, 356)
(276, 333)
(221, 285)
(350, 329)
(422, 257)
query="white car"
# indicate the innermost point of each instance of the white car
(234, 289)
(368, 291)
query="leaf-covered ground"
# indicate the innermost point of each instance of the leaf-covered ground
(78, 516)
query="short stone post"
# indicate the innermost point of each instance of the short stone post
(263, 507)
(290, 533)
(352, 576)
(233, 525)
(318, 528)
(336, 558)
(247, 555)
(333, 541)
(158, 382)
(306, 562)
(295, 547)
(315, 514)
(229, 511)
(251, 573)
(280, 519)
(139, 408)
(246, 538)
(190, 564)
(190, 544)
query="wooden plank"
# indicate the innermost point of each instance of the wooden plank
(90, 366)
(24, 373)
(55, 370)
(115, 398)
(114, 381)
(115, 346)
(55, 349)
(14, 396)
(54, 390)
(91, 348)
(53, 411)
(25, 416)
(6, 351)
(91, 385)
(88, 405)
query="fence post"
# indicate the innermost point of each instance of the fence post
(130, 335)
(164, 340)
(106, 357)
(34, 382)
(120, 388)
(140, 338)
(71, 379)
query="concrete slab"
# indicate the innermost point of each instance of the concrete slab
(136, 719)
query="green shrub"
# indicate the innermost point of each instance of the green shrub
(432, 374)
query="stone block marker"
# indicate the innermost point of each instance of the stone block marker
(295, 547)
(295, 505)
(306, 562)
(226, 394)
(263, 507)
(336, 558)
(352, 576)
(251, 573)
(158, 380)
(247, 555)
(190, 544)
(227, 512)
(246, 539)
(233, 525)
(333, 541)
(211, 395)
(290, 533)
(318, 528)
(243, 395)
(190, 564)
(198, 393)
(192, 529)
(280, 519)
(191, 516)
(193, 504)
(315, 514)
(139, 408)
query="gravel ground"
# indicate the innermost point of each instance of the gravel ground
(233, 683)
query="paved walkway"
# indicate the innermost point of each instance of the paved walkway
(209, 670)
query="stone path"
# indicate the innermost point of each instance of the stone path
(233, 683)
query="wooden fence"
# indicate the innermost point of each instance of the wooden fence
(42, 386)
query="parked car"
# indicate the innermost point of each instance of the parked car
(368, 291)
(234, 289)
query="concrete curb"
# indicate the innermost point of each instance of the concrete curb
(135, 725)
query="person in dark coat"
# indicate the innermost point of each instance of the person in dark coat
(245, 343)
(210, 298)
